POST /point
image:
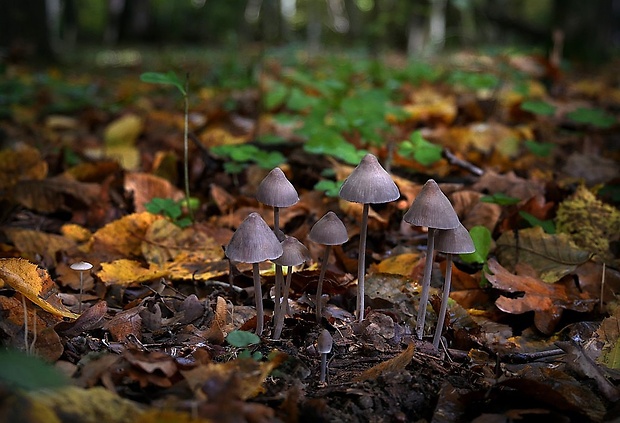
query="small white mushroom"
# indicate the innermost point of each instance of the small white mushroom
(81, 266)
(324, 347)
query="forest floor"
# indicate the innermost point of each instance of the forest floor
(160, 328)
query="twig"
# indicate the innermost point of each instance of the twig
(453, 160)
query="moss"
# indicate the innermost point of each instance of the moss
(590, 223)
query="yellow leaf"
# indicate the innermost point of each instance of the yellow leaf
(123, 131)
(33, 283)
(123, 238)
(125, 272)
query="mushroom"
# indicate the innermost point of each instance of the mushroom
(276, 190)
(328, 231)
(368, 184)
(431, 208)
(81, 266)
(294, 254)
(254, 242)
(450, 241)
(324, 347)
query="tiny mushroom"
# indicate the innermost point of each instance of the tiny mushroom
(276, 190)
(450, 241)
(81, 266)
(254, 242)
(368, 184)
(432, 209)
(328, 231)
(324, 347)
(294, 253)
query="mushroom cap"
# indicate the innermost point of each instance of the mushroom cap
(294, 252)
(253, 242)
(329, 230)
(81, 266)
(325, 342)
(276, 190)
(454, 241)
(431, 208)
(369, 183)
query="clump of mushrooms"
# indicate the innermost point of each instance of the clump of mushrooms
(294, 254)
(450, 241)
(368, 184)
(432, 209)
(254, 242)
(328, 231)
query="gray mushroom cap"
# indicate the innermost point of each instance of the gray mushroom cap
(431, 208)
(253, 242)
(454, 241)
(329, 230)
(276, 190)
(294, 252)
(369, 183)
(81, 266)
(325, 342)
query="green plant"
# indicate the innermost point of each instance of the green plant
(540, 149)
(243, 154)
(171, 209)
(538, 107)
(547, 225)
(329, 187)
(591, 116)
(171, 78)
(481, 236)
(500, 198)
(422, 151)
(243, 339)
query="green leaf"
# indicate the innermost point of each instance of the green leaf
(169, 78)
(331, 188)
(547, 225)
(540, 149)
(538, 107)
(500, 198)
(276, 96)
(482, 241)
(26, 372)
(242, 339)
(595, 117)
(422, 151)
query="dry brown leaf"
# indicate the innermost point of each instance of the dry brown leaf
(32, 243)
(393, 365)
(547, 301)
(35, 284)
(145, 187)
(215, 333)
(19, 164)
(126, 323)
(474, 212)
(56, 194)
(509, 184)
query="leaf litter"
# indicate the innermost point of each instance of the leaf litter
(532, 324)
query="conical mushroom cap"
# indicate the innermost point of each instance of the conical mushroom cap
(369, 183)
(454, 241)
(329, 230)
(276, 190)
(253, 242)
(325, 342)
(294, 253)
(431, 208)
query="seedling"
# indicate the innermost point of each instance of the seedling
(241, 155)
(81, 266)
(538, 107)
(590, 116)
(171, 78)
(243, 339)
(422, 151)
(171, 209)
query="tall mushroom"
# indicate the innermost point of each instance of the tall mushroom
(432, 209)
(276, 190)
(294, 254)
(328, 231)
(450, 241)
(254, 242)
(368, 184)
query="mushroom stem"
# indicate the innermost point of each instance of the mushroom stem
(426, 283)
(277, 308)
(444, 302)
(25, 324)
(277, 330)
(361, 264)
(81, 291)
(323, 367)
(258, 298)
(319, 288)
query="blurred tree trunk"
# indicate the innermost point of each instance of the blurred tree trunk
(24, 30)
(314, 28)
(355, 20)
(437, 26)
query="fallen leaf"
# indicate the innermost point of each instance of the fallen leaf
(35, 284)
(393, 365)
(20, 164)
(145, 187)
(215, 333)
(126, 323)
(547, 301)
(123, 237)
(551, 256)
(33, 243)
(56, 194)
(123, 131)
(127, 272)
(509, 184)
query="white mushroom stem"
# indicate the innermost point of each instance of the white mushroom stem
(323, 367)
(319, 288)
(278, 303)
(444, 302)
(361, 264)
(81, 291)
(283, 306)
(258, 298)
(426, 283)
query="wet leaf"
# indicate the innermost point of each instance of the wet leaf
(551, 256)
(547, 301)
